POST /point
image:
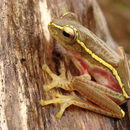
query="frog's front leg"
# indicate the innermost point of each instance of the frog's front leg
(101, 103)
(61, 80)
(57, 81)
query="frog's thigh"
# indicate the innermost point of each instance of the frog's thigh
(67, 100)
(90, 92)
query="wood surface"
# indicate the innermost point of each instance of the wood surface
(25, 45)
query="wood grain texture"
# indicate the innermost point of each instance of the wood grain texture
(25, 45)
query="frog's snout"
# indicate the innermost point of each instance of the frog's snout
(50, 26)
(53, 29)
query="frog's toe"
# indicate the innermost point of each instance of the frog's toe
(46, 68)
(53, 75)
(62, 109)
(51, 101)
(48, 87)
(43, 102)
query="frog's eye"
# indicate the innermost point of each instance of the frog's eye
(69, 34)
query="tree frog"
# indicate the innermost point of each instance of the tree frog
(104, 80)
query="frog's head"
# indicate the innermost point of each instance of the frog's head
(64, 30)
(74, 37)
(65, 34)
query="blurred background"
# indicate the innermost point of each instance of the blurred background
(117, 14)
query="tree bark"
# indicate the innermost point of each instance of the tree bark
(25, 45)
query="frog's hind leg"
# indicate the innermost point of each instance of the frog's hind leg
(67, 100)
(78, 84)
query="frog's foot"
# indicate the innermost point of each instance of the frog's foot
(67, 100)
(64, 101)
(57, 80)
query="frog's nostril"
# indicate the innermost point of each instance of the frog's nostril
(50, 23)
